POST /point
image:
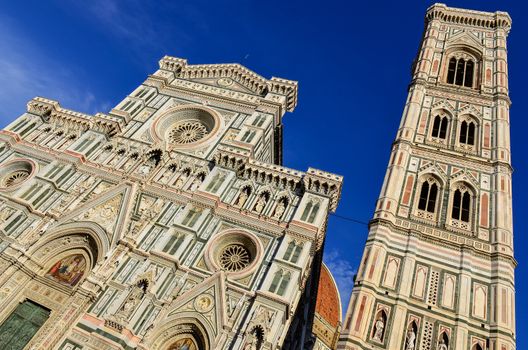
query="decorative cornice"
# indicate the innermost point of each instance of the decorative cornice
(252, 81)
(486, 20)
(52, 111)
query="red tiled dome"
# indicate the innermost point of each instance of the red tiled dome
(328, 304)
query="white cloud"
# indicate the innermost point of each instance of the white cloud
(343, 273)
(27, 71)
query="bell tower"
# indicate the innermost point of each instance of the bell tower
(437, 272)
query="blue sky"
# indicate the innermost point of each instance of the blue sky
(352, 61)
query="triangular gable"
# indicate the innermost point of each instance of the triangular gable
(466, 176)
(434, 169)
(207, 298)
(225, 83)
(110, 210)
(444, 104)
(469, 109)
(464, 39)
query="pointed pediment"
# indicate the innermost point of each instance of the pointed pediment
(207, 298)
(110, 210)
(225, 83)
(447, 105)
(469, 109)
(466, 176)
(462, 38)
(434, 169)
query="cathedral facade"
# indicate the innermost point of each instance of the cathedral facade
(437, 272)
(168, 223)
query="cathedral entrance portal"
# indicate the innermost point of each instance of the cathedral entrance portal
(22, 325)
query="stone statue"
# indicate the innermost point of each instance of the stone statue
(261, 203)
(378, 329)
(130, 304)
(5, 214)
(251, 342)
(144, 169)
(442, 345)
(180, 181)
(410, 340)
(242, 198)
(196, 183)
(279, 210)
(166, 176)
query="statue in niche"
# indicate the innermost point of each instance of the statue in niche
(197, 182)
(69, 270)
(242, 198)
(132, 301)
(279, 210)
(5, 214)
(166, 176)
(181, 180)
(261, 203)
(114, 160)
(251, 342)
(144, 169)
(254, 339)
(410, 340)
(442, 345)
(104, 154)
(379, 327)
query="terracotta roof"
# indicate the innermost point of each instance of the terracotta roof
(328, 304)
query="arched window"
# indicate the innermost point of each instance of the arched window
(284, 284)
(276, 280)
(451, 70)
(461, 205)
(293, 251)
(476, 347)
(428, 195)
(460, 72)
(191, 218)
(467, 133)
(280, 282)
(289, 250)
(310, 211)
(443, 342)
(173, 244)
(215, 183)
(440, 127)
(306, 211)
(248, 136)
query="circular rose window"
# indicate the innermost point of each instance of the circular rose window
(15, 178)
(237, 252)
(235, 257)
(186, 126)
(15, 173)
(187, 132)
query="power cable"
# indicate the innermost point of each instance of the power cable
(350, 219)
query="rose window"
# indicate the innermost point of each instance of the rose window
(234, 257)
(15, 178)
(15, 172)
(187, 132)
(186, 126)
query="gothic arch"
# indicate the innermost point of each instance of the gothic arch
(176, 327)
(54, 243)
(471, 134)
